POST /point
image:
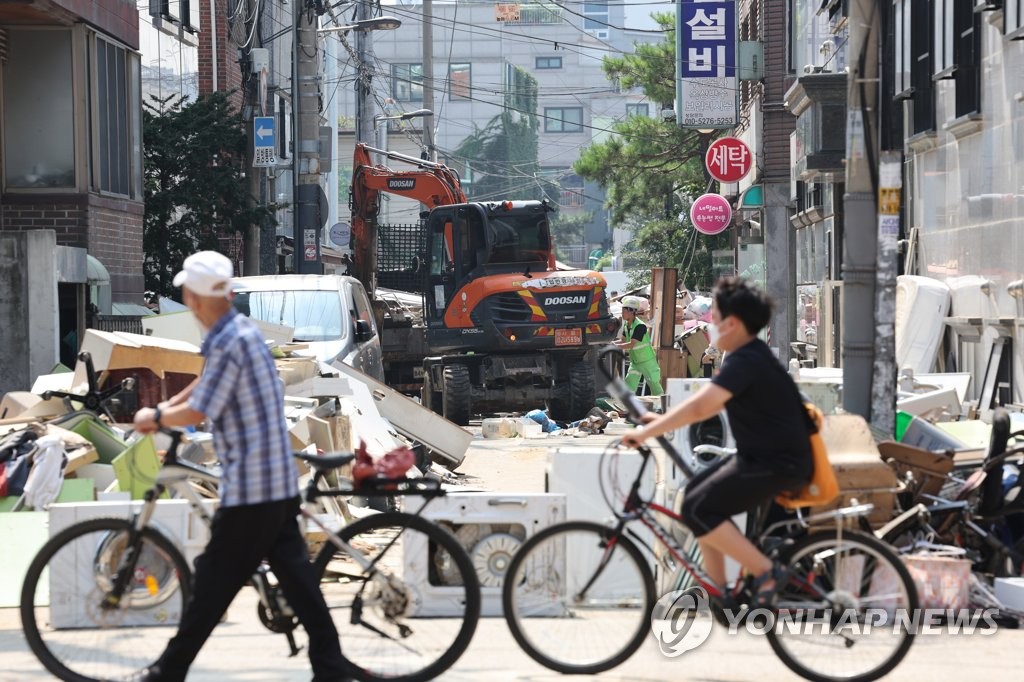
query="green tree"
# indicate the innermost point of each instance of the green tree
(567, 230)
(195, 186)
(651, 169)
(503, 154)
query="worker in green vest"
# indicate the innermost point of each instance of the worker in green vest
(636, 338)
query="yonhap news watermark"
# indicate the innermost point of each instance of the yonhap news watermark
(682, 621)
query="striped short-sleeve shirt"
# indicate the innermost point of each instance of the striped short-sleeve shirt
(241, 394)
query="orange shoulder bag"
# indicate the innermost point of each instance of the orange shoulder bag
(823, 486)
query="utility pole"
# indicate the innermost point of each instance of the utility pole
(254, 173)
(364, 94)
(306, 153)
(883, 413)
(860, 250)
(428, 78)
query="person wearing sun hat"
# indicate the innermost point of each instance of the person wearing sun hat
(241, 396)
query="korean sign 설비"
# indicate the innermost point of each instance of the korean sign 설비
(707, 82)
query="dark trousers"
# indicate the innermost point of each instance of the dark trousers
(240, 538)
(730, 487)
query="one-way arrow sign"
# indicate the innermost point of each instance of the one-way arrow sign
(263, 129)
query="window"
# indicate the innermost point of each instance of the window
(314, 315)
(458, 82)
(39, 114)
(912, 63)
(548, 63)
(596, 18)
(943, 28)
(967, 50)
(571, 191)
(184, 13)
(407, 82)
(563, 120)
(113, 157)
(903, 54)
(1013, 19)
(638, 109)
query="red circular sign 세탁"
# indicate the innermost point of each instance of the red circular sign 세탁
(310, 252)
(728, 159)
(710, 213)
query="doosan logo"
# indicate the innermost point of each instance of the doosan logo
(401, 183)
(565, 300)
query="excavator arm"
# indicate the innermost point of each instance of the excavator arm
(432, 184)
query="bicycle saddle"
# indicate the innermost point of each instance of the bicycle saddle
(326, 462)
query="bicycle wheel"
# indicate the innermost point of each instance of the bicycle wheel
(412, 614)
(577, 599)
(846, 613)
(67, 628)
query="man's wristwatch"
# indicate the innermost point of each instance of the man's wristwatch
(156, 417)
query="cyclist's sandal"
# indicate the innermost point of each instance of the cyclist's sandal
(763, 597)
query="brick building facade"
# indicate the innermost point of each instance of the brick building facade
(81, 175)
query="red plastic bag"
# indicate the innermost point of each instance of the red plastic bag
(395, 463)
(392, 465)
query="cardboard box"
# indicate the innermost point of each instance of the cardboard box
(296, 370)
(863, 475)
(120, 350)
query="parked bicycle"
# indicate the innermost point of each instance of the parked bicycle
(976, 515)
(579, 596)
(103, 596)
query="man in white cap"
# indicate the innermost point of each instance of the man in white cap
(240, 394)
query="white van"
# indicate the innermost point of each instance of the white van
(330, 313)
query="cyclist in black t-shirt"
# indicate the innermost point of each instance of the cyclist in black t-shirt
(766, 417)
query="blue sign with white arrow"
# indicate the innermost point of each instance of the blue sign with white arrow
(264, 135)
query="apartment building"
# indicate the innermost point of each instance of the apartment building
(476, 46)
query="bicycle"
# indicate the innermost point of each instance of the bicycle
(103, 596)
(579, 596)
(976, 516)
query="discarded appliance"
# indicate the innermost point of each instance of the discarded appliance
(73, 581)
(491, 526)
(921, 307)
(712, 431)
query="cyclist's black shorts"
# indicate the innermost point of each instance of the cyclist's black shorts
(732, 487)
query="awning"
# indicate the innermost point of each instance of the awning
(751, 199)
(97, 272)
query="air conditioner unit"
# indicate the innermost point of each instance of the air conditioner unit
(586, 480)
(72, 578)
(491, 527)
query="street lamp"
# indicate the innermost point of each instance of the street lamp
(307, 221)
(381, 137)
(374, 24)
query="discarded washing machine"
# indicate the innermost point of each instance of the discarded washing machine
(491, 527)
(712, 431)
(74, 576)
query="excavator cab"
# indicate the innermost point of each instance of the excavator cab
(468, 241)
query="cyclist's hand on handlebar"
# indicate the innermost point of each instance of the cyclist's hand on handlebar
(145, 421)
(636, 438)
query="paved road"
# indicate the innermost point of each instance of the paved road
(241, 650)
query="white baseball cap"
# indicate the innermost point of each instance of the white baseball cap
(206, 273)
